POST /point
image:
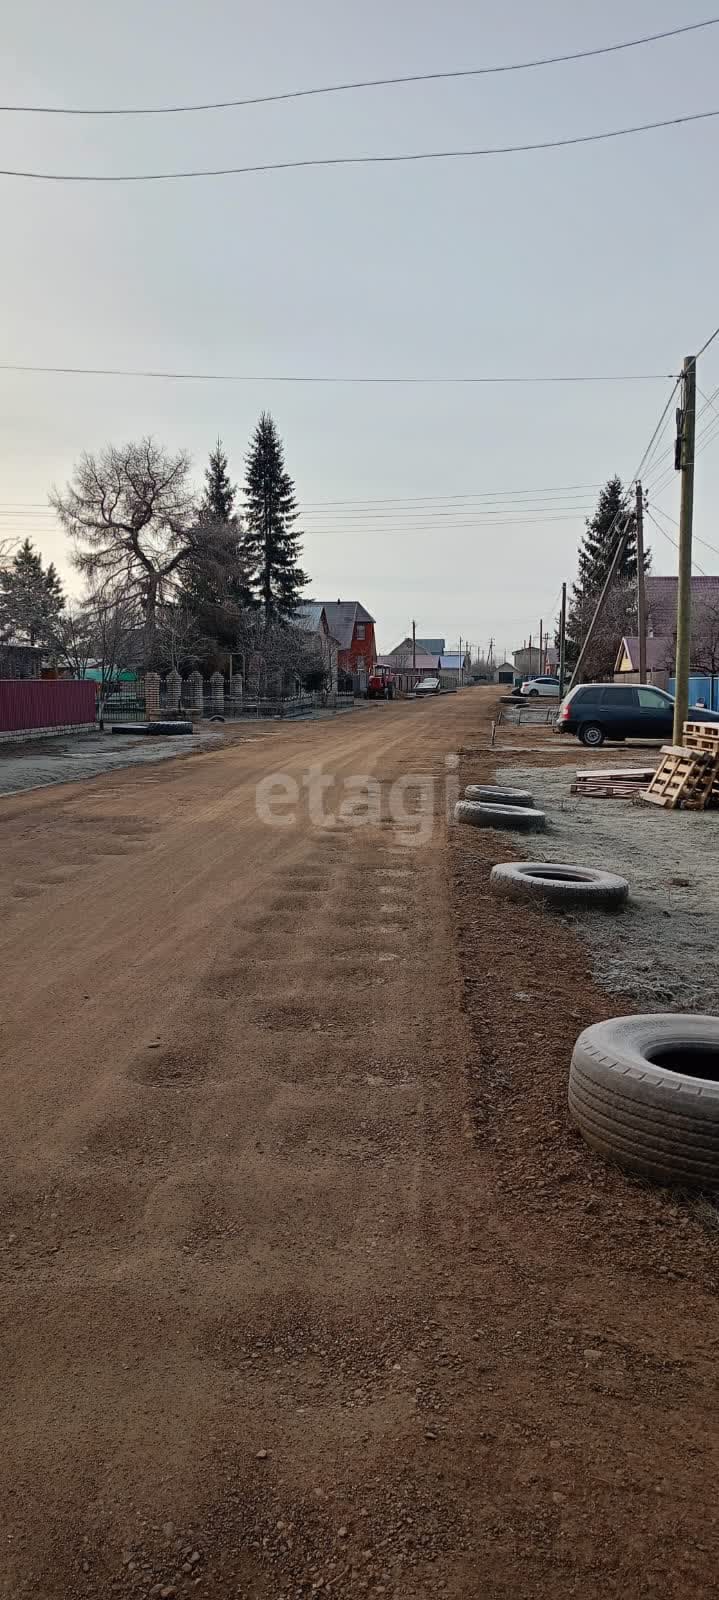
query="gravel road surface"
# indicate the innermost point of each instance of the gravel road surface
(306, 1287)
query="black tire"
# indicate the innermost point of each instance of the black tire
(478, 815)
(533, 694)
(592, 734)
(644, 1093)
(170, 728)
(492, 794)
(559, 883)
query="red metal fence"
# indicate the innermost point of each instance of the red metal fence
(27, 703)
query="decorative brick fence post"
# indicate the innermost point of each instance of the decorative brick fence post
(174, 691)
(197, 692)
(152, 695)
(236, 687)
(217, 690)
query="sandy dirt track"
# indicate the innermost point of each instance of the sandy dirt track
(290, 1302)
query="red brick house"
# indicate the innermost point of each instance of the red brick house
(353, 628)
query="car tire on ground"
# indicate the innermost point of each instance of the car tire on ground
(533, 694)
(168, 727)
(493, 794)
(644, 1093)
(559, 883)
(479, 815)
(591, 734)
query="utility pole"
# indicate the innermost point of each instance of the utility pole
(460, 661)
(541, 637)
(562, 640)
(686, 419)
(641, 604)
(414, 645)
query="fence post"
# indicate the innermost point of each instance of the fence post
(235, 686)
(174, 690)
(217, 691)
(197, 688)
(152, 695)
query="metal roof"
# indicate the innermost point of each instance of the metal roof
(341, 616)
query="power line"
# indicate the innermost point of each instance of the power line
(706, 344)
(362, 83)
(668, 537)
(240, 377)
(484, 494)
(660, 512)
(358, 161)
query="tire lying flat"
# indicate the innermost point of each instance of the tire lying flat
(170, 728)
(559, 883)
(479, 815)
(658, 1120)
(492, 794)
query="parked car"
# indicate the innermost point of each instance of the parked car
(428, 686)
(544, 684)
(598, 711)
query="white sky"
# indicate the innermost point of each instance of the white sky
(600, 259)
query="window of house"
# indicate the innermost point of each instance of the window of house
(360, 630)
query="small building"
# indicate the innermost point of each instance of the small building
(20, 660)
(660, 651)
(311, 618)
(408, 673)
(454, 669)
(533, 660)
(352, 626)
(504, 673)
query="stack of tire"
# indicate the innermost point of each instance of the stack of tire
(487, 805)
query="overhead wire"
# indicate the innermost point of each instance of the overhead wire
(391, 159)
(361, 83)
(322, 378)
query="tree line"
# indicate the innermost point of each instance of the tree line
(170, 580)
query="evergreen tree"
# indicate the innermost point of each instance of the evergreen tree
(31, 597)
(219, 497)
(596, 552)
(270, 512)
(604, 530)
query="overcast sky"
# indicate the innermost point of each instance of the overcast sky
(598, 259)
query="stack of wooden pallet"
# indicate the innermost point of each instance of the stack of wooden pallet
(687, 777)
(611, 783)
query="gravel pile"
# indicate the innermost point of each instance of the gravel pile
(662, 949)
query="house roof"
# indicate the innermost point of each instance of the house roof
(452, 661)
(341, 617)
(503, 666)
(659, 649)
(308, 615)
(432, 647)
(422, 662)
(661, 600)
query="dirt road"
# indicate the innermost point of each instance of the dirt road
(284, 1311)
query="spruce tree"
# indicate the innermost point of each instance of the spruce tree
(596, 552)
(31, 597)
(270, 513)
(604, 530)
(219, 496)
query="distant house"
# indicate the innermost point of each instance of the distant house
(432, 647)
(407, 674)
(20, 660)
(311, 618)
(353, 628)
(504, 673)
(530, 659)
(661, 612)
(454, 669)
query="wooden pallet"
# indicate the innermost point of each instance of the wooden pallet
(683, 778)
(610, 783)
(702, 730)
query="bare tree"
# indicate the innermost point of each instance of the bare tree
(178, 641)
(74, 640)
(131, 512)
